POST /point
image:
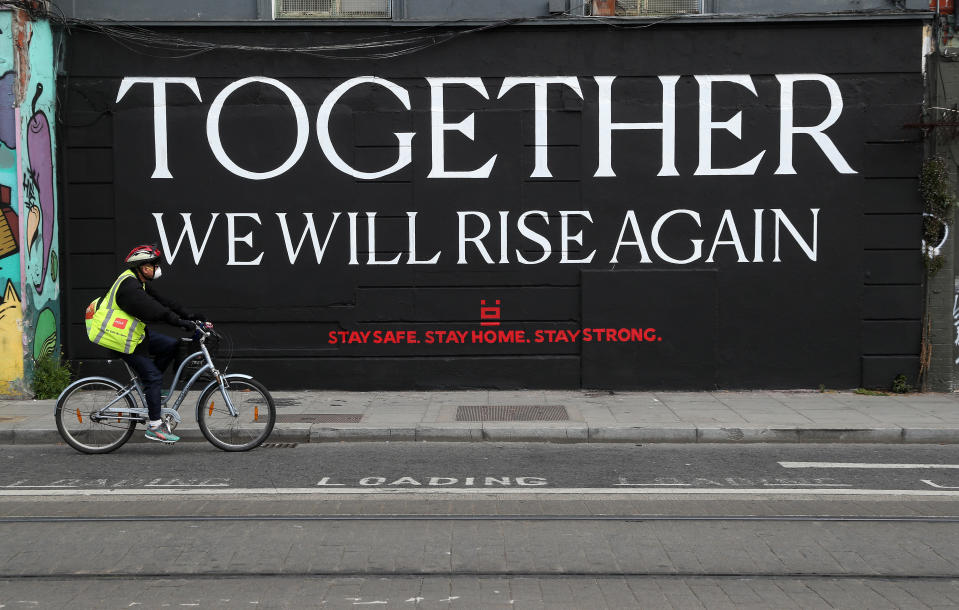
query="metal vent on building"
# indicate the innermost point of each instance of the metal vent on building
(332, 9)
(511, 413)
(644, 8)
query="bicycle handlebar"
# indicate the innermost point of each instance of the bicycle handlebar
(204, 330)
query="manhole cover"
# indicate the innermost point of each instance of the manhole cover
(511, 413)
(319, 418)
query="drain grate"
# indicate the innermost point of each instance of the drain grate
(511, 413)
(278, 445)
(319, 418)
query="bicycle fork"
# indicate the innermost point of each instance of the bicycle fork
(220, 380)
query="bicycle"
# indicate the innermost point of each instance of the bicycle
(234, 412)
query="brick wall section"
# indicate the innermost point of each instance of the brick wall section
(892, 232)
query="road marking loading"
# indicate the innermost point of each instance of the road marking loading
(864, 465)
(324, 491)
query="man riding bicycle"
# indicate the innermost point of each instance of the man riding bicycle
(118, 323)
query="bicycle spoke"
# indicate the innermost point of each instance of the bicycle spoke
(248, 427)
(83, 423)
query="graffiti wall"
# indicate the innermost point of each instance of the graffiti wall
(38, 192)
(29, 310)
(11, 312)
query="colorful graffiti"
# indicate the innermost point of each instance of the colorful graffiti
(29, 262)
(38, 189)
(11, 356)
(11, 309)
(41, 233)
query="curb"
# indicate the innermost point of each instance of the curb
(573, 434)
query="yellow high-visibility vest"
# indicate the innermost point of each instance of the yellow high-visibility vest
(111, 327)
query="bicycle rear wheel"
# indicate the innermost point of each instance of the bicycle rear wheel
(256, 415)
(79, 424)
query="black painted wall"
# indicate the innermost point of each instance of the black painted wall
(850, 317)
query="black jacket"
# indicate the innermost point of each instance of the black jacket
(147, 305)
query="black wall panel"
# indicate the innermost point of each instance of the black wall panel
(821, 286)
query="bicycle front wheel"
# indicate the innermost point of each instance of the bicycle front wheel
(253, 423)
(80, 424)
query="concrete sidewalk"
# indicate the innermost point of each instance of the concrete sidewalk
(590, 416)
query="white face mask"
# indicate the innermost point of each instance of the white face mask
(157, 273)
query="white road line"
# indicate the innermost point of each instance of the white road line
(864, 465)
(931, 484)
(177, 486)
(15, 486)
(314, 491)
(654, 484)
(807, 485)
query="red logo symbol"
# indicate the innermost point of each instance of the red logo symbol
(120, 323)
(489, 314)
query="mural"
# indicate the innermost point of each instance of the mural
(11, 355)
(11, 312)
(29, 263)
(41, 234)
(38, 188)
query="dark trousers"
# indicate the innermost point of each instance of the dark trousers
(162, 351)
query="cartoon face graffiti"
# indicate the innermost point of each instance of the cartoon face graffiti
(11, 354)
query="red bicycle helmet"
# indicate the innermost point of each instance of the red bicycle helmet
(142, 255)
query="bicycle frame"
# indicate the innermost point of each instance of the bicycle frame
(125, 414)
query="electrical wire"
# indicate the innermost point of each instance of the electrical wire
(152, 43)
(149, 42)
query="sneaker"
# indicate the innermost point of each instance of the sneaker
(162, 435)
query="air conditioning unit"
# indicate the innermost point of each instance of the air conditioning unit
(642, 8)
(332, 9)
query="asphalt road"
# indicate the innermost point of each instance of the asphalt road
(432, 467)
(481, 525)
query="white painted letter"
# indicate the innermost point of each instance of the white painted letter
(811, 252)
(323, 129)
(697, 243)
(232, 239)
(630, 221)
(371, 243)
(213, 129)
(478, 240)
(787, 130)
(309, 230)
(439, 128)
(412, 238)
(353, 238)
(578, 238)
(728, 221)
(733, 126)
(606, 126)
(170, 253)
(160, 170)
(758, 235)
(533, 236)
(540, 106)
